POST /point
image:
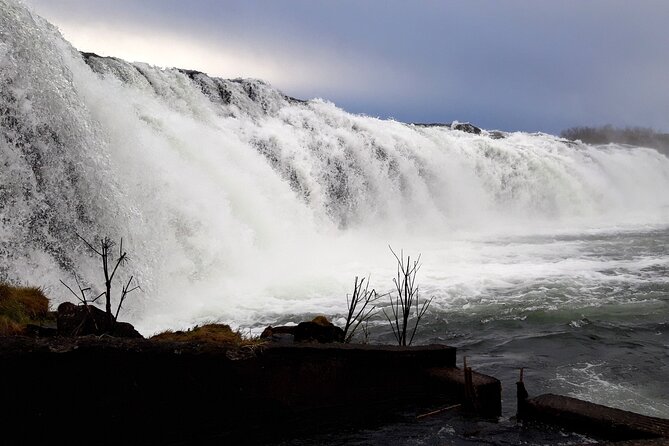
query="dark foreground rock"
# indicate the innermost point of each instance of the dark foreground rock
(84, 320)
(318, 330)
(150, 392)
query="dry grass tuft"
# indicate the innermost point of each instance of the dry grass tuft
(220, 334)
(20, 306)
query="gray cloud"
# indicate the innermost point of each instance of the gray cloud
(517, 64)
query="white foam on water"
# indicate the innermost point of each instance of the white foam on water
(588, 381)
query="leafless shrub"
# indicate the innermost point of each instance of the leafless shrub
(110, 266)
(358, 308)
(406, 300)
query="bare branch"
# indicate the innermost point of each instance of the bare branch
(419, 316)
(89, 245)
(358, 303)
(124, 292)
(98, 296)
(119, 261)
(71, 290)
(406, 298)
(104, 251)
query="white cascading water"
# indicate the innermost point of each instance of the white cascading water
(236, 202)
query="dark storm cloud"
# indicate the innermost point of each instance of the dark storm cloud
(531, 65)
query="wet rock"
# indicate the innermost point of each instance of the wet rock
(497, 135)
(87, 55)
(466, 127)
(190, 73)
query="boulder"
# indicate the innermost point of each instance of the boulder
(466, 127)
(125, 330)
(80, 320)
(83, 320)
(282, 334)
(318, 330)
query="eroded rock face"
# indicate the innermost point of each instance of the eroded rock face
(83, 320)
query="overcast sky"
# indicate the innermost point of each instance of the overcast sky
(512, 65)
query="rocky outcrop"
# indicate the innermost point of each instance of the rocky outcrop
(461, 126)
(318, 330)
(84, 320)
(466, 127)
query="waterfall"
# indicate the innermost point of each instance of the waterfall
(232, 197)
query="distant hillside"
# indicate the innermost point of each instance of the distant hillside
(635, 136)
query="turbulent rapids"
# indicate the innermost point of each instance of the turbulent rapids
(238, 203)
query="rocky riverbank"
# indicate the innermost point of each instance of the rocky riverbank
(66, 377)
(104, 390)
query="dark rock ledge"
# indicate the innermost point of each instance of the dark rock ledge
(104, 390)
